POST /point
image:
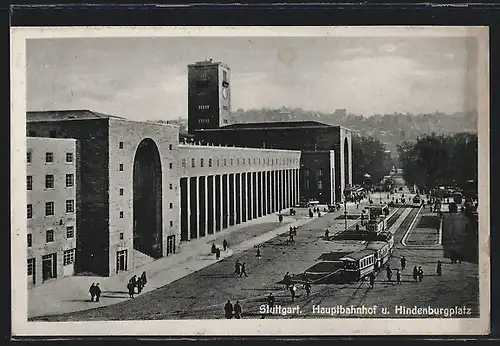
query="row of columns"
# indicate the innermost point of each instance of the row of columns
(212, 203)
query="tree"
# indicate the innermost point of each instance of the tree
(369, 156)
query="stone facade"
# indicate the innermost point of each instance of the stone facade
(52, 229)
(317, 176)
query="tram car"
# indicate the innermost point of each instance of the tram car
(377, 225)
(359, 264)
(383, 250)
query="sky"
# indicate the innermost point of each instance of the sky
(146, 78)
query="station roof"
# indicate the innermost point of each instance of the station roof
(358, 255)
(75, 114)
(281, 125)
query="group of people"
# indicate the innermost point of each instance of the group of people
(314, 211)
(95, 292)
(287, 280)
(138, 282)
(240, 268)
(233, 311)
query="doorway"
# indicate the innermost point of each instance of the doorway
(170, 245)
(49, 266)
(147, 199)
(121, 261)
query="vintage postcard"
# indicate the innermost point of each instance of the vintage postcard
(250, 181)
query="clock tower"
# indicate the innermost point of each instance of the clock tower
(209, 95)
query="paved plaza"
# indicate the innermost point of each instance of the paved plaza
(199, 287)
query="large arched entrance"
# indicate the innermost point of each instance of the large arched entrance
(147, 193)
(346, 162)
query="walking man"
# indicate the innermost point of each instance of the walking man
(237, 310)
(307, 287)
(420, 274)
(258, 252)
(287, 280)
(243, 270)
(224, 244)
(415, 274)
(327, 233)
(131, 288)
(372, 279)
(403, 263)
(217, 253)
(144, 279)
(389, 273)
(270, 300)
(237, 266)
(292, 292)
(228, 309)
(398, 276)
(439, 269)
(92, 291)
(97, 292)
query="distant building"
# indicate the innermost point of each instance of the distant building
(51, 210)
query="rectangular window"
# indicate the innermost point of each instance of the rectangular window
(31, 266)
(121, 192)
(320, 172)
(171, 224)
(49, 157)
(70, 180)
(171, 205)
(49, 208)
(28, 157)
(70, 232)
(225, 162)
(170, 147)
(121, 236)
(192, 162)
(69, 157)
(170, 165)
(121, 167)
(49, 236)
(30, 211)
(69, 257)
(237, 162)
(201, 162)
(29, 182)
(218, 162)
(183, 163)
(209, 162)
(30, 240)
(120, 145)
(320, 185)
(121, 215)
(170, 186)
(70, 206)
(231, 162)
(49, 181)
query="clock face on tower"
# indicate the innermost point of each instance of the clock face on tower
(224, 93)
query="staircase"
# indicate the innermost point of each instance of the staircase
(139, 259)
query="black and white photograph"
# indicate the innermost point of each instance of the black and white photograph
(237, 181)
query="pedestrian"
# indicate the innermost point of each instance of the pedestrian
(258, 253)
(327, 233)
(310, 213)
(357, 227)
(228, 309)
(214, 248)
(92, 291)
(292, 292)
(133, 280)
(439, 270)
(144, 279)
(217, 253)
(270, 300)
(420, 274)
(237, 310)
(389, 273)
(398, 276)
(287, 280)
(131, 288)
(280, 218)
(403, 263)
(307, 287)
(415, 274)
(97, 292)
(224, 244)
(237, 267)
(140, 285)
(243, 270)
(372, 279)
